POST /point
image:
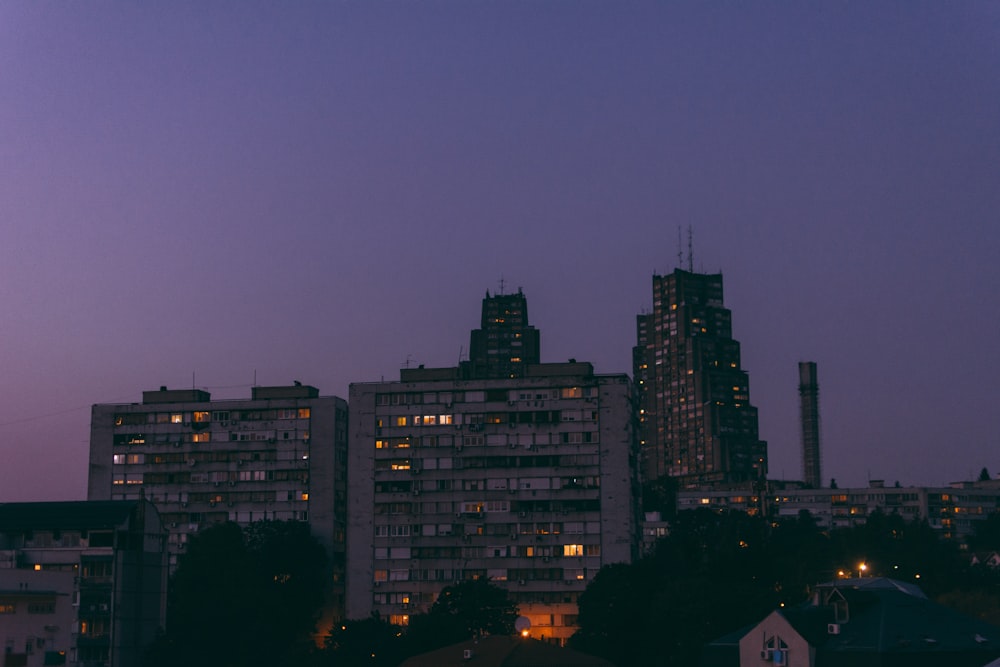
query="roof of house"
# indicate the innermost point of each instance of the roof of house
(883, 617)
(83, 514)
(499, 651)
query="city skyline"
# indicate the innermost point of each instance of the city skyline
(208, 195)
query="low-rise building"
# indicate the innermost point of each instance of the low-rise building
(952, 510)
(81, 583)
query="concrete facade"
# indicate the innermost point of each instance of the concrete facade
(530, 482)
(697, 424)
(82, 584)
(951, 510)
(279, 455)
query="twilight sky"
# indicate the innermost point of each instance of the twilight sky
(319, 191)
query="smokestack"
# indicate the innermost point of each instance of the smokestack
(809, 398)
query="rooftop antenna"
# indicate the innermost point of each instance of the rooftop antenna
(502, 283)
(461, 350)
(690, 251)
(192, 380)
(680, 249)
(406, 364)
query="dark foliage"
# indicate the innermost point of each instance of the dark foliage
(718, 572)
(243, 597)
(465, 610)
(370, 642)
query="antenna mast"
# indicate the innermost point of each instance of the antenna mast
(680, 249)
(690, 251)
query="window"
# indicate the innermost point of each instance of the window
(176, 418)
(305, 413)
(7, 607)
(571, 550)
(202, 417)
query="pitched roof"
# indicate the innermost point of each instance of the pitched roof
(891, 616)
(888, 621)
(498, 651)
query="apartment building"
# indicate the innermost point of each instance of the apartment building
(697, 424)
(279, 455)
(467, 473)
(82, 584)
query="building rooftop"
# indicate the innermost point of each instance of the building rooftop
(66, 515)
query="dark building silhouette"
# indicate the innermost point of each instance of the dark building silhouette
(696, 421)
(809, 398)
(505, 343)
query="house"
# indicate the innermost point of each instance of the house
(858, 623)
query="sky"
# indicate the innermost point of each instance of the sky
(216, 193)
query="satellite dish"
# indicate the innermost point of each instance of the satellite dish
(522, 623)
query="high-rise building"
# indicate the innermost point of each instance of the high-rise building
(697, 424)
(456, 475)
(505, 343)
(809, 397)
(279, 455)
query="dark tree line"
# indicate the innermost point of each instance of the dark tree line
(716, 573)
(252, 596)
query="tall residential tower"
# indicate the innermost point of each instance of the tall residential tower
(525, 477)
(696, 421)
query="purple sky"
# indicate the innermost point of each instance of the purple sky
(319, 191)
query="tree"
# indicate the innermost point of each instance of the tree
(984, 475)
(370, 642)
(242, 597)
(467, 609)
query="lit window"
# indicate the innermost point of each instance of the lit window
(176, 418)
(400, 421)
(202, 417)
(304, 496)
(304, 413)
(572, 550)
